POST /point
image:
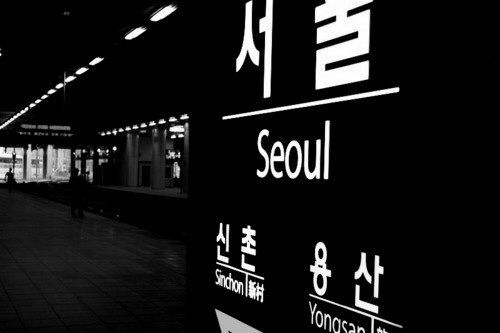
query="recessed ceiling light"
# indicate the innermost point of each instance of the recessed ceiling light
(96, 61)
(81, 70)
(162, 13)
(135, 33)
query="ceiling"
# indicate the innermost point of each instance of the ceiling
(40, 42)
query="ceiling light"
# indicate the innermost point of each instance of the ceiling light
(180, 136)
(135, 33)
(173, 136)
(114, 132)
(177, 129)
(161, 121)
(59, 85)
(172, 119)
(135, 127)
(120, 130)
(162, 13)
(96, 61)
(127, 128)
(32, 105)
(184, 117)
(69, 79)
(102, 134)
(152, 123)
(44, 96)
(38, 101)
(143, 125)
(81, 70)
(108, 133)
(51, 91)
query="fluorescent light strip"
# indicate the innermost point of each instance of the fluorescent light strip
(81, 71)
(135, 33)
(59, 85)
(315, 103)
(96, 61)
(162, 13)
(51, 91)
(69, 79)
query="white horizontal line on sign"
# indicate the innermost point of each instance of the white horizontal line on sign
(315, 103)
(356, 310)
(239, 270)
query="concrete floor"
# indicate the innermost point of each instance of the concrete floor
(59, 274)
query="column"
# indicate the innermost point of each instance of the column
(27, 163)
(95, 166)
(185, 168)
(44, 162)
(131, 164)
(50, 161)
(159, 140)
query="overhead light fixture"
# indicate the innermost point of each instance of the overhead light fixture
(161, 121)
(135, 127)
(120, 130)
(172, 119)
(177, 129)
(108, 133)
(114, 148)
(44, 96)
(162, 13)
(173, 136)
(152, 123)
(143, 125)
(180, 136)
(128, 128)
(114, 132)
(38, 101)
(96, 61)
(51, 91)
(102, 134)
(81, 70)
(69, 78)
(32, 105)
(59, 85)
(184, 117)
(135, 33)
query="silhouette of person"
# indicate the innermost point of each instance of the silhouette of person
(77, 183)
(10, 180)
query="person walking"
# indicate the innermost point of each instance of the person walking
(10, 179)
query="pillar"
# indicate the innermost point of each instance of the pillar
(159, 140)
(50, 161)
(131, 164)
(185, 168)
(44, 163)
(95, 166)
(27, 163)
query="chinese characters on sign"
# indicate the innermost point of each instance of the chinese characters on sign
(243, 281)
(330, 315)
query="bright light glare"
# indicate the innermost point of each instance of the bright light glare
(96, 61)
(59, 85)
(81, 70)
(44, 96)
(184, 117)
(161, 121)
(32, 105)
(51, 91)
(135, 33)
(38, 101)
(143, 125)
(172, 119)
(162, 13)
(70, 78)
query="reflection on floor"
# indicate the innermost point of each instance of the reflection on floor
(92, 274)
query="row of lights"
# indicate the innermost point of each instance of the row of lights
(157, 16)
(178, 130)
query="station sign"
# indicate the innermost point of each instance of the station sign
(307, 235)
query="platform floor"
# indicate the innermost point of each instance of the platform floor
(59, 274)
